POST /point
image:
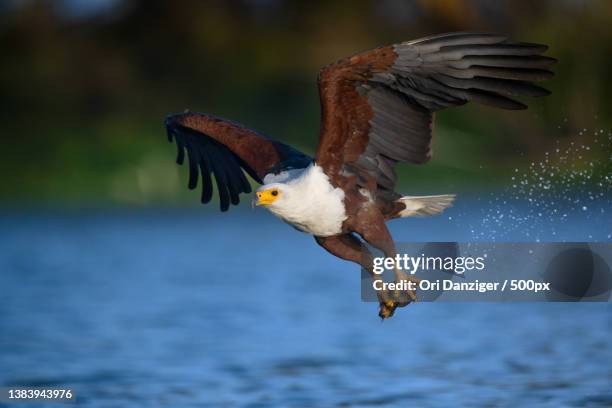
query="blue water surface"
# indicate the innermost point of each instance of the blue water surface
(191, 308)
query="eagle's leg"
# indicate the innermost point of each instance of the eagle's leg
(350, 248)
(377, 235)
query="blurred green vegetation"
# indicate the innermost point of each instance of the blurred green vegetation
(85, 86)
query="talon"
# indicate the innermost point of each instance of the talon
(386, 310)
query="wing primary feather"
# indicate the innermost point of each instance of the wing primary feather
(207, 188)
(433, 43)
(504, 61)
(493, 99)
(193, 157)
(180, 150)
(234, 172)
(221, 181)
(230, 167)
(496, 72)
(456, 52)
(244, 183)
(504, 86)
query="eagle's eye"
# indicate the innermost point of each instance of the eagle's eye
(274, 193)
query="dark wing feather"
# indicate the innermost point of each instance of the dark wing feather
(377, 106)
(224, 149)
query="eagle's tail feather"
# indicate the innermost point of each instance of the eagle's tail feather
(425, 205)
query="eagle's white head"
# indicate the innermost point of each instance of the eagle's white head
(274, 195)
(306, 200)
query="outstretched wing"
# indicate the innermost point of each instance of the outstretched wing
(377, 106)
(225, 149)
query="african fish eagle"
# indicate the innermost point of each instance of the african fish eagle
(377, 110)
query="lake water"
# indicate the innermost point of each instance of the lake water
(186, 307)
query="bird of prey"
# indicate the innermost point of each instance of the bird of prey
(377, 110)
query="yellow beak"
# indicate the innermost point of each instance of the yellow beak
(265, 197)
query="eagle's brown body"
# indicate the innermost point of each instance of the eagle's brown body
(376, 110)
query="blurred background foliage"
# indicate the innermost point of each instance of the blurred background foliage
(85, 86)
